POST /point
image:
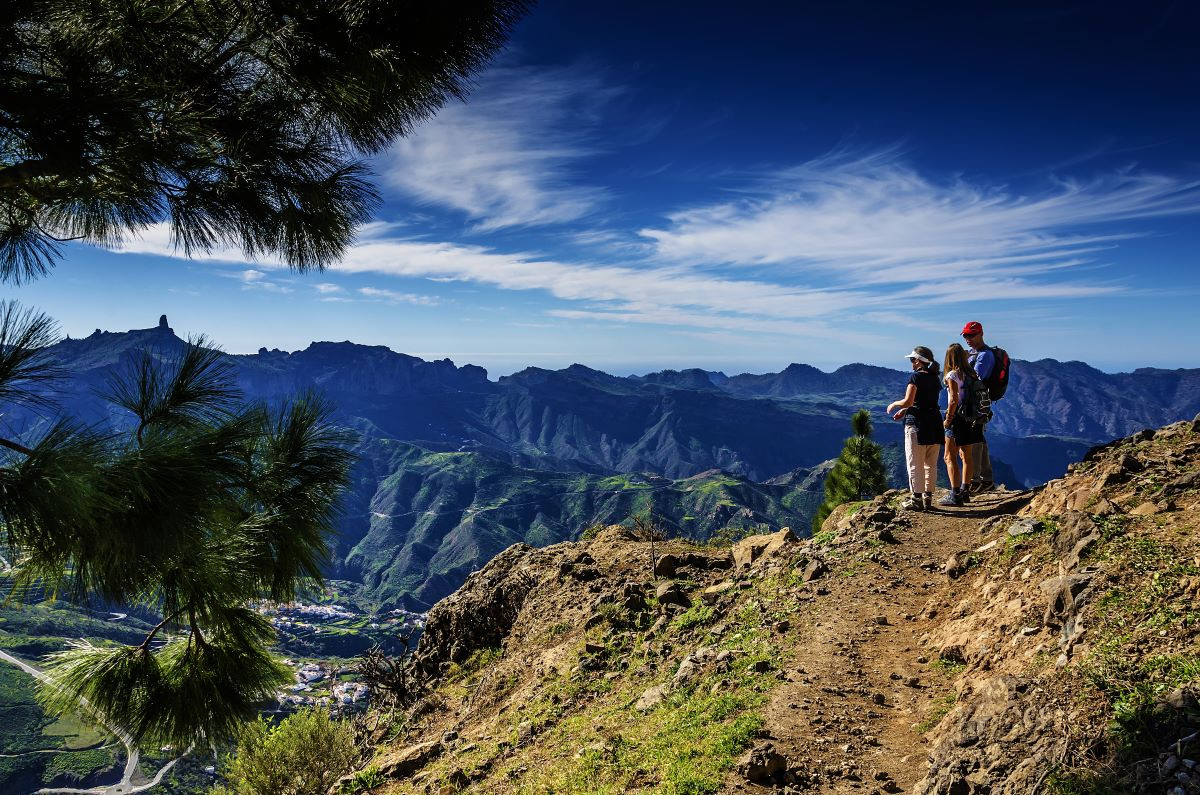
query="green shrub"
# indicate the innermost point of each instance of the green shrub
(363, 781)
(305, 754)
(590, 532)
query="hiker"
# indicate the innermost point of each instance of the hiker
(922, 428)
(983, 361)
(960, 434)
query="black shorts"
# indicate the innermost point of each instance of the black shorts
(966, 433)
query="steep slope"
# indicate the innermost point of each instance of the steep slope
(1039, 641)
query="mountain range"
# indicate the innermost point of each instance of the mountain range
(453, 467)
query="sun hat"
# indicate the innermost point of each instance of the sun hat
(915, 355)
(972, 328)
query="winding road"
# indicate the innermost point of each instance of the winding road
(125, 785)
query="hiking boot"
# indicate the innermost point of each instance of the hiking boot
(913, 503)
(979, 487)
(964, 495)
(928, 500)
(951, 500)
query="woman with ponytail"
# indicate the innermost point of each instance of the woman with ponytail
(960, 434)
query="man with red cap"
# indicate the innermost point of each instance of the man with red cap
(983, 360)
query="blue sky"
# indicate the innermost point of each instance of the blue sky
(637, 186)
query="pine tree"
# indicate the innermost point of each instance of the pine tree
(200, 506)
(240, 123)
(858, 474)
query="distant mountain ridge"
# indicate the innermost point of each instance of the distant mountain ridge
(752, 428)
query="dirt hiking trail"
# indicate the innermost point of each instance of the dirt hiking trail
(859, 688)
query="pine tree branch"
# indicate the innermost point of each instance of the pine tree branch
(11, 445)
(186, 4)
(18, 175)
(54, 237)
(146, 643)
(196, 633)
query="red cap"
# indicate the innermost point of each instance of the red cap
(972, 328)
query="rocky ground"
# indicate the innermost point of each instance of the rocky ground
(1038, 641)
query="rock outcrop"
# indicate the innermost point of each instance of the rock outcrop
(1082, 623)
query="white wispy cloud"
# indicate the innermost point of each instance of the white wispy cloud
(253, 279)
(507, 156)
(875, 219)
(809, 252)
(397, 297)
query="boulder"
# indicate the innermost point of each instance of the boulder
(878, 511)
(480, 614)
(750, 550)
(1067, 596)
(411, 759)
(956, 565)
(634, 603)
(712, 593)
(652, 697)
(814, 569)
(633, 598)
(1185, 482)
(1000, 740)
(666, 565)
(669, 593)
(1023, 527)
(1077, 532)
(692, 666)
(762, 763)
(718, 562)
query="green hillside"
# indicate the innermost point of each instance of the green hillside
(438, 516)
(36, 749)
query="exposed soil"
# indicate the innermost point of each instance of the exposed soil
(859, 689)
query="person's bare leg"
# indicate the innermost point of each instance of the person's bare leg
(964, 453)
(952, 474)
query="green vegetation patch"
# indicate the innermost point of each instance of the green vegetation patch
(581, 732)
(615, 483)
(938, 709)
(824, 538)
(78, 765)
(948, 667)
(479, 659)
(76, 733)
(695, 616)
(1079, 782)
(1130, 665)
(683, 747)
